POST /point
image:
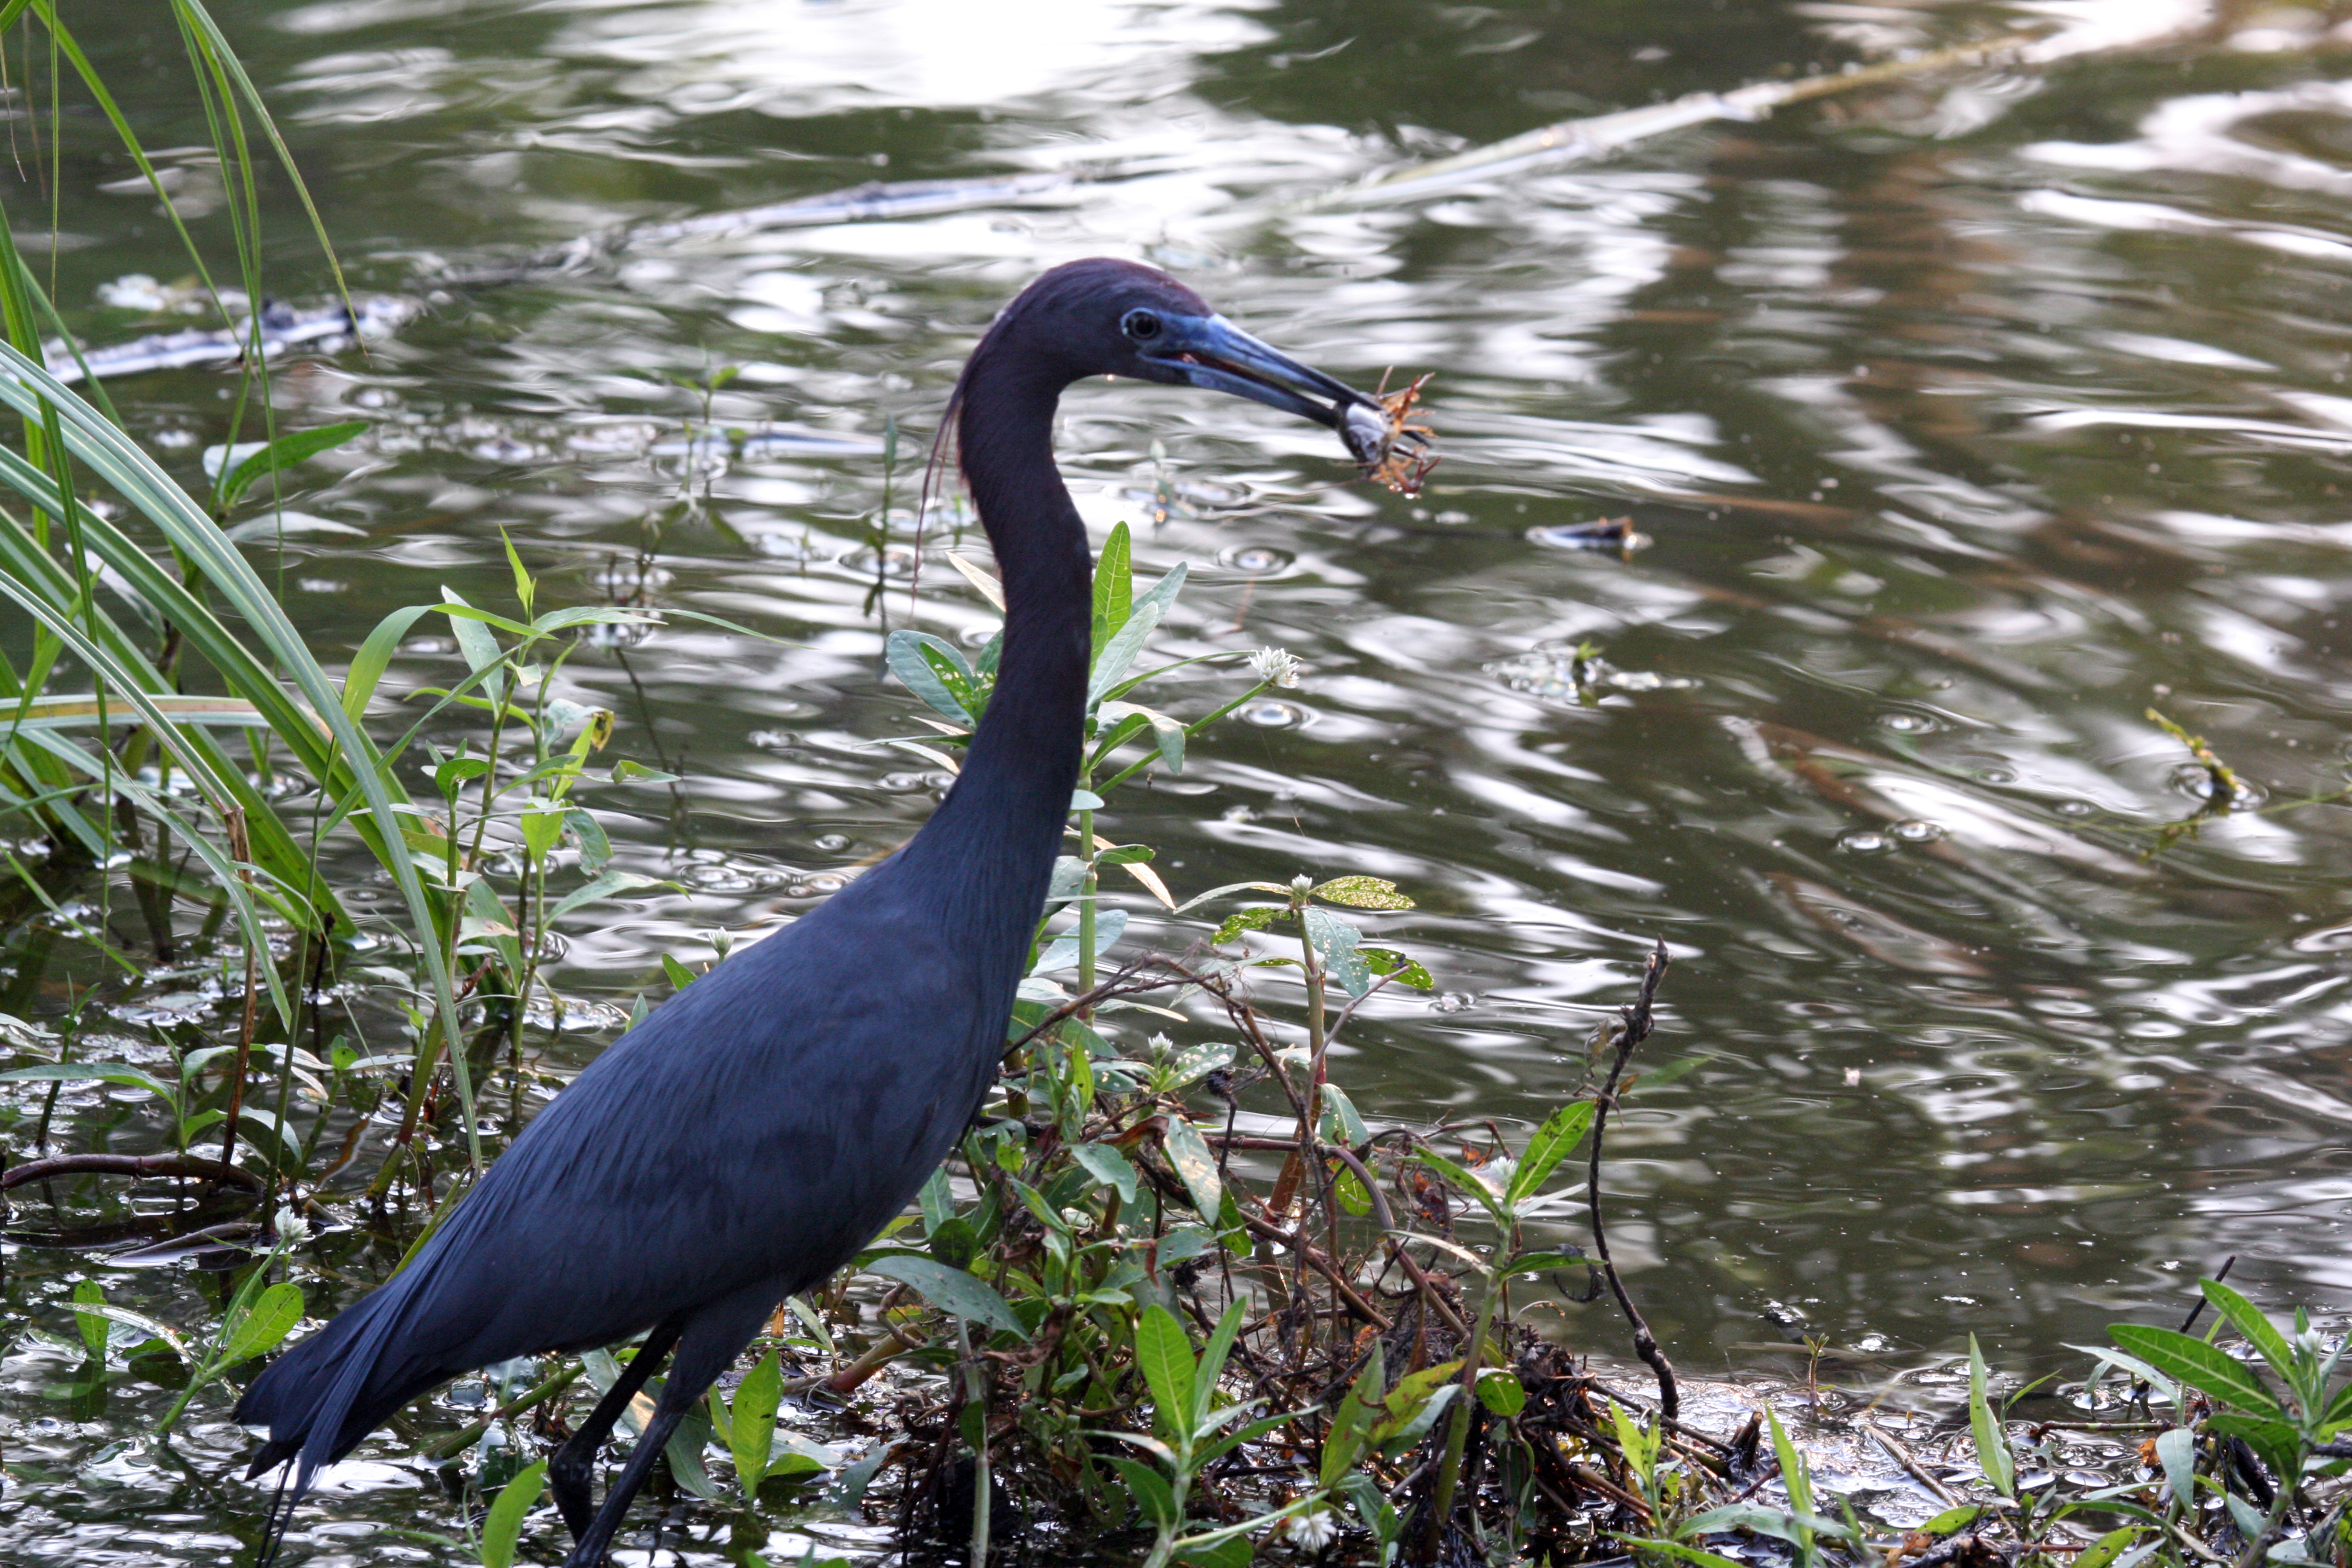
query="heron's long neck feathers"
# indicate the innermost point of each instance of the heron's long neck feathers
(1002, 822)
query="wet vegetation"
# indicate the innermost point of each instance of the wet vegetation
(280, 926)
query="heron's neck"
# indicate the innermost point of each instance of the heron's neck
(1003, 820)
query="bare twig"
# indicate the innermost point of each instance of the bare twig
(136, 1166)
(1634, 1027)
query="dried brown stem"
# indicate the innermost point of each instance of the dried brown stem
(134, 1166)
(1633, 1029)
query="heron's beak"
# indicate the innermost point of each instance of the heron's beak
(1210, 352)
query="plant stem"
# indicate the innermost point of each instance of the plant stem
(1458, 1432)
(1086, 897)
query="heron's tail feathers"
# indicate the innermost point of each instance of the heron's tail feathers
(319, 1398)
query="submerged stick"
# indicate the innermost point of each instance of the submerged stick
(128, 1166)
(1635, 1028)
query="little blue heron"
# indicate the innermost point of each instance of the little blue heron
(755, 1131)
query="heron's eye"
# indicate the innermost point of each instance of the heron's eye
(1143, 326)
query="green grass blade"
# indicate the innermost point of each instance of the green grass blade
(114, 458)
(1992, 1442)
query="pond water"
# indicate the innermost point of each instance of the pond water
(1964, 418)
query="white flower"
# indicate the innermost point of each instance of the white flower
(1276, 667)
(1311, 1532)
(1494, 1175)
(292, 1231)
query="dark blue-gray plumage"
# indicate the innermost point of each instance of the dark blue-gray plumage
(750, 1136)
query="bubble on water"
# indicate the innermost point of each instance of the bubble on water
(729, 877)
(175, 440)
(1254, 559)
(1909, 723)
(1996, 775)
(505, 449)
(631, 578)
(898, 562)
(914, 783)
(775, 740)
(1864, 841)
(1918, 830)
(1267, 713)
(832, 843)
(1452, 1001)
(778, 545)
(977, 637)
(822, 885)
(2074, 808)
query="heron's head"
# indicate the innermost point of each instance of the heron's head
(1102, 316)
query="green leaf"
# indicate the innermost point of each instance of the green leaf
(1114, 589)
(95, 1329)
(2339, 1413)
(1153, 1498)
(950, 1290)
(680, 976)
(2176, 1453)
(1388, 961)
(1501, 1391)
(1213, 1359)
(542, 830)
(1796, 1476)
(1120, 652)
(1351, 1423)
(502, 1526)
(1108, 1167)
(1556, 1139)
(1164, 1353)
(1232, 1551)
(2259, 1331)
(1461, 1178)
(1992, 1442)
(1417, 1427)
(1189, 1153)
(1335, 942)
(1241, 920)
(1952, 1519)
(751, 1424)
(92, 1072)
(1409, 1399)
(932, 668)
(2200, 1365)
(269, 1320)
(609, 884)
(684, 1452)
(299, 446)
(1362, 893)
(1676, 1549)
(1340, 1117)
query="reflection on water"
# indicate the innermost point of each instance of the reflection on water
(1964, 420)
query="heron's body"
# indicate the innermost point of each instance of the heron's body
(757, 1129)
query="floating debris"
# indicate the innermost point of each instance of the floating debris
(1576, 674)
(327, 329)
(1610, 533)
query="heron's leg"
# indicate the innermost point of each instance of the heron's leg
(569, 1471)
(707, 1342)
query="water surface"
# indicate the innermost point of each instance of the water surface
(1966, 419)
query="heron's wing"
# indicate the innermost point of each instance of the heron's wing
(763, 1124)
